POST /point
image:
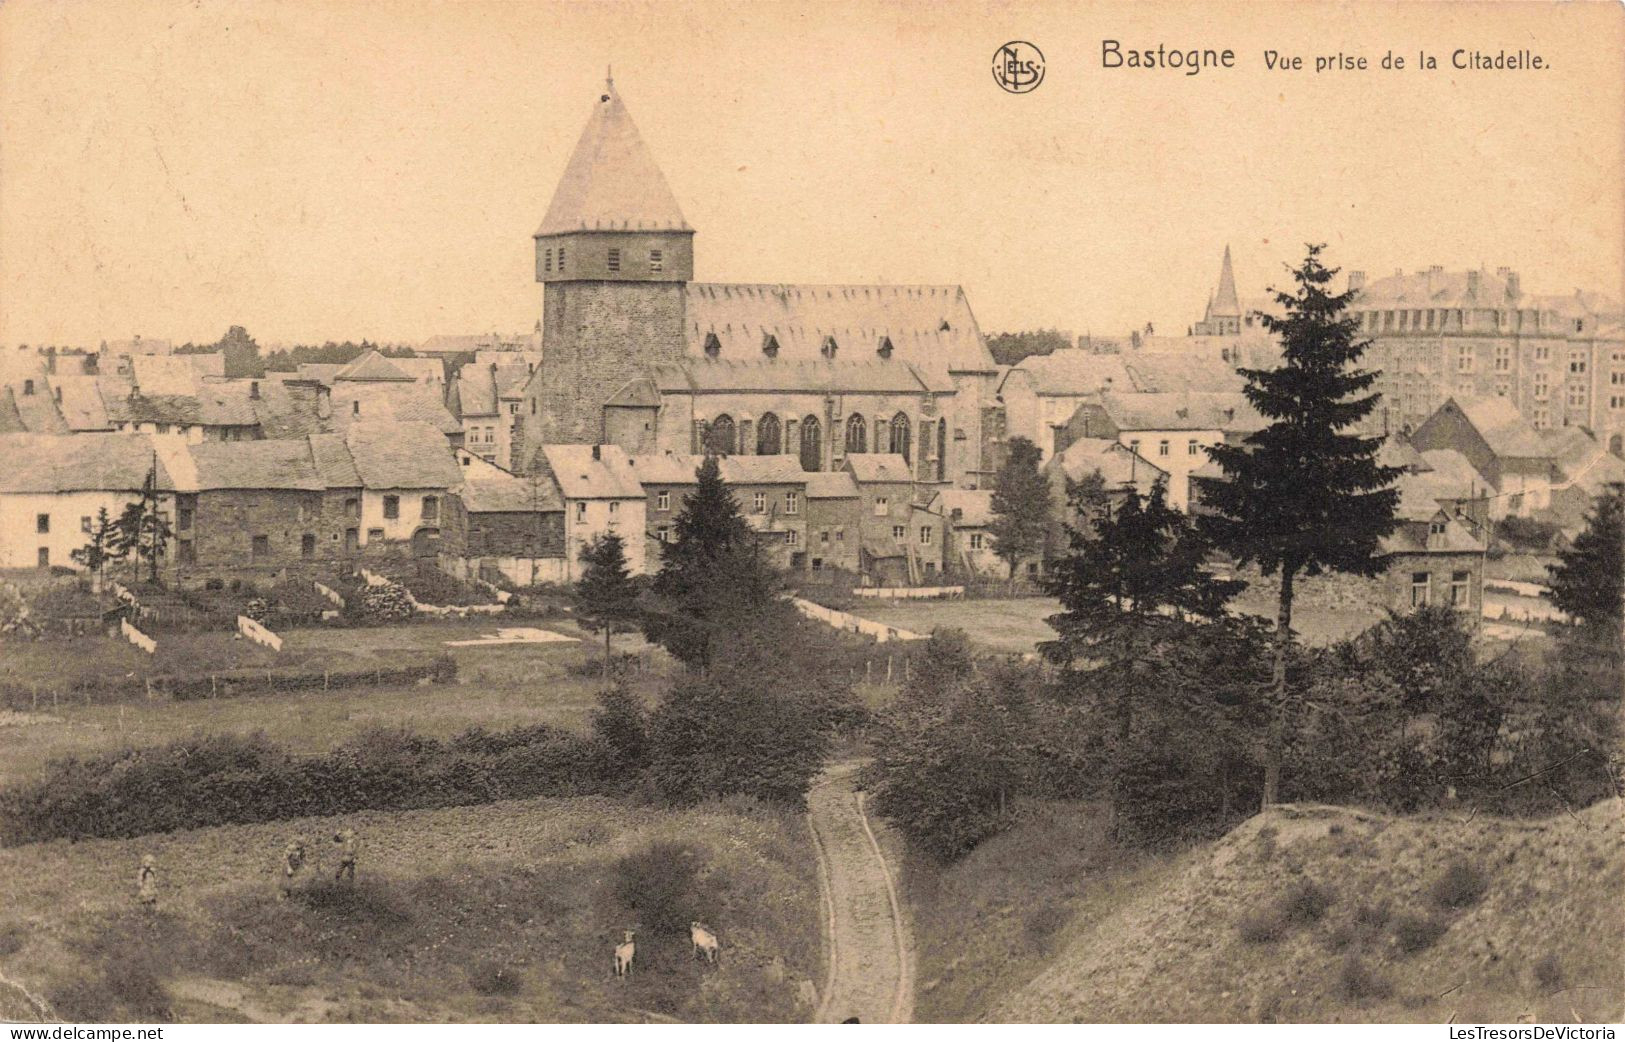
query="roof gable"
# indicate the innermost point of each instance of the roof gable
(611, 180)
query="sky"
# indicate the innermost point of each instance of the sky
(317, 171)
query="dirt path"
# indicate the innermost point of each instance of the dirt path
(870, 966)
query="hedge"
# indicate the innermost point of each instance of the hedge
(214, 780)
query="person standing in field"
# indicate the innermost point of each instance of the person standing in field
(293, 866)
(146, 883)
(345, 840)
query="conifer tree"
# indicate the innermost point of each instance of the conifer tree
(1588, 582)
(1305, 495)
(606, 593)
(1020, 504)
(98, 548)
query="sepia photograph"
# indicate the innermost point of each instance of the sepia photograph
(812, 513)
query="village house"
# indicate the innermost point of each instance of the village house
(1433, 556)
(771, 492)
(485, 398)
(515, 530)
(834, 519)
(601, 496)
(52, 488)
(894, 545)
(1501, 445)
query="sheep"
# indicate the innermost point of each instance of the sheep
(623, 955)
(705, 942)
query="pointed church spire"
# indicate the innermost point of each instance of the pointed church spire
(1225, 301)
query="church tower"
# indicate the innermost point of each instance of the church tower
(613, 255)
(1223, 317)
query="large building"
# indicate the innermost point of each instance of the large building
(637, 354)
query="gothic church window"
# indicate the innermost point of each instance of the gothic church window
(812, 455)
(857, 434)
(721, 439)
(900, 435)
(768, 432)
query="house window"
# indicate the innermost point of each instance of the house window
(1543, 353)
(663, 533)
(882, 506)
(307, 545)
(581, 512)
(374, 534)
(1134, 445)
(431, 508)
(657, 260)
(614, 259)
(792, 538)
(352, 508)
(84, 524)
(899, 532)
(1460, 590)
(925, 535)
(1503, 358)
(1190, 447)
(1419, 589)
(840, 535)
(1540, 387)
(1577, 362)
(44, 557)
(976, 540)
(1464, 358)
(188, 552)
(663, 500)
(823, 535)
(392, 507)
(42, 524)
(792, 502)
(1436, 528)
(614, 507)
(163, 428)
(262, 547)
(759, 503)
(1162, 447)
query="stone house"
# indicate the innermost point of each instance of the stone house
(833, 523)
(53, 486)
(601, 495)
(771, 492)
(1501, 445)
(485, 398)
(515, 528)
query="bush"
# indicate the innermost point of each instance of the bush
(1357, 981)
(232, 780)
(1416, 933)
(621, 724)
(1460, 887)
(388, 603)
(1305, 902)
(1262, 925)
(657, 887)
(1548, 972)
(495, 978)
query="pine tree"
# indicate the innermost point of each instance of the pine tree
(1588, 582)
(142, 532)
(1020, 504)
(99, 548)
(1305, 495)
(606, 593)
(1130, 584)
(713, 579)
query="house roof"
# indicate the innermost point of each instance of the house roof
(930, 327)
(1396, 451)
(874, 467)
(510, 495)
(322, 372)
(423, 370)
(827, 484)
(611, 180)
(1420, 289)
(477, 389)
(675, 468)
(1181, 411)
(1502, 427)
(1454, 471)
(174, 374)
(1074, 372)
(637, 393)
(705, 375)
(1160, 372)
(401, 455)
(81, 405)
(91, 462)
(255, 465)
(403, 402)
(333, 462)
(1415, 535)
(975, 506)
(580, 476)
(1118, 465)
(373, 367)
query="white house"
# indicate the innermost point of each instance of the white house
(52, 487)
(602, 495)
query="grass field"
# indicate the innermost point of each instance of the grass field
(496, 686)
(502, 912)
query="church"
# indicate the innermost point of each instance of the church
(637, 354)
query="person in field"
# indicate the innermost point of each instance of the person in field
(293, 867)
(344, 839)
(146, 883)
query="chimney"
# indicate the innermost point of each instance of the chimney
(50, 362)
(254, 390)
(1356, 281)
(1514, 285)
(1472, 284)
(597, 452)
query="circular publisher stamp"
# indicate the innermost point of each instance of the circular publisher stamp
(1018, 67)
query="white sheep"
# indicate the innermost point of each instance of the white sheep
(623, 955)
(705, 942)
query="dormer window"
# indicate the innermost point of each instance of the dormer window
(770, 345)
(28, 387)
(614, 259)
(713, 346)
(829, 348)
(945, 327)
(884, 350)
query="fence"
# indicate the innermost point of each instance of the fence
(905, 593)
(136, 637)
(330, 593)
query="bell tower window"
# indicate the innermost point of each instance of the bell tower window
(614, 259)
(657, 260)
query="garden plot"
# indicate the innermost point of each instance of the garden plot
(514, 635)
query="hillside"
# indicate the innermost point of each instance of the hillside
(1311, 914)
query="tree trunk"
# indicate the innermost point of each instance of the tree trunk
(1276, 734)
(607, 631)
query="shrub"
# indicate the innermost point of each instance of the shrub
(1305, 902)
(1460, 887)
(1415, 933)
(388, 603)
(657, 887)
(495, 978)
(1262, 925)
(621, 724)
(1357, 981)
(1372, 917)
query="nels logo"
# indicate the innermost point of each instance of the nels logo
(1018, 67)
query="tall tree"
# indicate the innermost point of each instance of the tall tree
(1305, 494)
(606, 593)
(1021, 505)
(98, 548)
(712, 578)
(1131, 581)
(142, 532)
(1588, 581)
